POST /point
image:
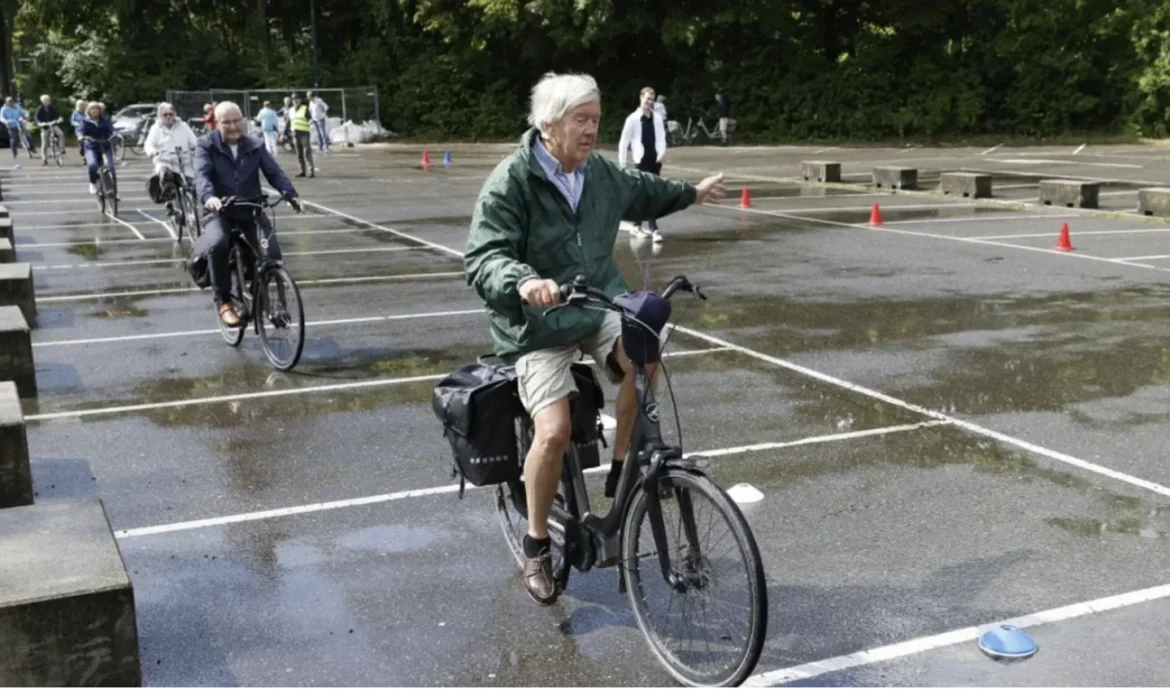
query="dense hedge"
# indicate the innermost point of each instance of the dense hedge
(794, 69)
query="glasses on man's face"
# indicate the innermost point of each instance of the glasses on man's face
(232, 123)
(168, 114)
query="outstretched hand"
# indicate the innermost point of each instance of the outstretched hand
(711, 189)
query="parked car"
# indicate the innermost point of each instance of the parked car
(130, 118)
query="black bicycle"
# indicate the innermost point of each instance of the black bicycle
(52, 141)
(107, 184)
(657, 534)
(262, 291)
(183, 209)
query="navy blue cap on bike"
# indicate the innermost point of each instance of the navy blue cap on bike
(653, 310)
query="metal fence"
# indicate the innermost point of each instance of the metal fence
(356, 104)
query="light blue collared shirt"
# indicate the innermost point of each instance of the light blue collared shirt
(570, 186)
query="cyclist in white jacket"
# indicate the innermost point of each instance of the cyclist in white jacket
(166, 134)
(645, 133)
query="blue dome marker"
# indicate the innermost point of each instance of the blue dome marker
(1007, 642)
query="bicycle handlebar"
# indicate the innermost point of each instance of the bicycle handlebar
(578, 291)
(261, 202)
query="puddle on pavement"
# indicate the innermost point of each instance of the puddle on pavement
(119, 311)
(90, 251)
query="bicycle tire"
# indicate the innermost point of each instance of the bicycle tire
(234, 335)
(101, 193)
(698, 484)
(111, 189)
(294, 318)
(57, 152)
(119, 147)
(512, 498)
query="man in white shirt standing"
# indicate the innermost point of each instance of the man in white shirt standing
(318, 111)
(645, 133)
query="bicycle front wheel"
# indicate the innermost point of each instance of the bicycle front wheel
(111, 185)
(709, 628)
(57, 153)
(281, 318)
(235, 335)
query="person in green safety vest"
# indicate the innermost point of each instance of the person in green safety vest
(299, 117)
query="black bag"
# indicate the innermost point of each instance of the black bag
(585, 410)
(199, 268)
(478, 405)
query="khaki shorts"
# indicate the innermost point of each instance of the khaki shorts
(545, 376)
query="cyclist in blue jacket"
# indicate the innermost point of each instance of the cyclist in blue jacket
(100, 130)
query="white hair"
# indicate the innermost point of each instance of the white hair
(223, 107)
(556, 94)
(164, 106)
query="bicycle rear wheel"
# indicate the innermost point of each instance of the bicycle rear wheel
(57, 152)
(512, 509)
(281, 317)
(701, 652)
(234, 336)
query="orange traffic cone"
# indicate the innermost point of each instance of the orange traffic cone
(875, 216)
(1065, 242)
(745, 199)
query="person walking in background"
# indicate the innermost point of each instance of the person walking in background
(724, 107)
(300, 127)
(286, 120)
(319, 110)
(645, 133)
(267, 119)
(76, 119)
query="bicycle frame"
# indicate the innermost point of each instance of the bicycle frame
(261, 262)
(595, 541)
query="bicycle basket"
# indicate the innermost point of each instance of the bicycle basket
(585, 410)
(477, 405)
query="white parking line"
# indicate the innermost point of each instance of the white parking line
(101, 242)
(1155, 257)
(126, 224)
(399, 233)
(1053, 161)
(166, 226)
(182, 290)
(1079, 233)
(70, 226)
(993, 149)
(165, 261)
(452, 488)
(57, 202)
(215, 331)
(982, 217)
(959, 636)
(960, 423)
(1080, 148)
(828, 209)
(308, 389)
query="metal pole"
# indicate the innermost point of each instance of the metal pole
(313, 26)
(377, 111)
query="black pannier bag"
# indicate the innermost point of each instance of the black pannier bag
(478, 405)
(587, 433)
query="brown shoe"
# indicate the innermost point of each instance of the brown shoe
(227, 314)
(538, 579)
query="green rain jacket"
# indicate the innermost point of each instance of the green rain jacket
(523, 227)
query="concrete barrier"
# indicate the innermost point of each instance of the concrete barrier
(894, 177)
(6, 229)
(4, 211)
(66, 602)
(1069, 193)
(16, 289)
(973, 185)
(7, 253)
(16, 354)
(16, 487)
(821, 171)
(1154, 201)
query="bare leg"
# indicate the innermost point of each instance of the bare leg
(542, 467)
(626, 406)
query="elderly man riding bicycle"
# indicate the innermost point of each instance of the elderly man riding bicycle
(549, 212)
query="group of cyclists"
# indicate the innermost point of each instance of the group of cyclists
(222, 162)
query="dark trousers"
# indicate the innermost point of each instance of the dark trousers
(304, 151)
(648, 164)
(216, 243)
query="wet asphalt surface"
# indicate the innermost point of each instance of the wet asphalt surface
(868, 539)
